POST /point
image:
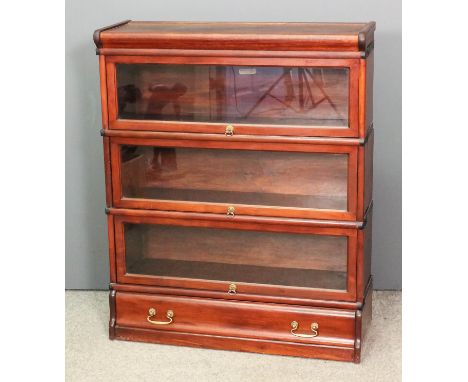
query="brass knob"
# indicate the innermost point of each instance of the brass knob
(232, 288)
(230, 211)
(229, 130)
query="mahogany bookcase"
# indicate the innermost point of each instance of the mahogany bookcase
(238, 168)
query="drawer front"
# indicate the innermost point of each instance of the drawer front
(262, 96)
(178, 250)
(236, 319)
(288, 180)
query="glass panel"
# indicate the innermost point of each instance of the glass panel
(234, 94)
(289, 259)
(270, 178)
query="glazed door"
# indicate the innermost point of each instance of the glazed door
(302, 97)
(185, 251)
(235, 178)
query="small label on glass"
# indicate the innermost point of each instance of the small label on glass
(248, 71)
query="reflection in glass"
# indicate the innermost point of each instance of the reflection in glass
(313, 261)
(234, 94)
(270, 178)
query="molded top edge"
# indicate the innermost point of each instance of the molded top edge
(236, 35)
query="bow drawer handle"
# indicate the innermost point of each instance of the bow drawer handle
(314, 327)
(152, 313)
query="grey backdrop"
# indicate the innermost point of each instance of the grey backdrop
(86, 234)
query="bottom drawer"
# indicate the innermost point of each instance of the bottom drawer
(223, 318)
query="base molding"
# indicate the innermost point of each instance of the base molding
(335, 353)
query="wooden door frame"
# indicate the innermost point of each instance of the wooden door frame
(178, 219)
(248, 129)
(120, 201)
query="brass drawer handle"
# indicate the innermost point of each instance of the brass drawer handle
(229, 130)
(152, 313)
(230, 211)
(314, 327)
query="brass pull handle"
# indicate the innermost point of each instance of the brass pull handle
(314, 327)
(230, 211)
(229, 130)
(152, 313)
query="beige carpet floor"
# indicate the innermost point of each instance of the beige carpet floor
(91, 356)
